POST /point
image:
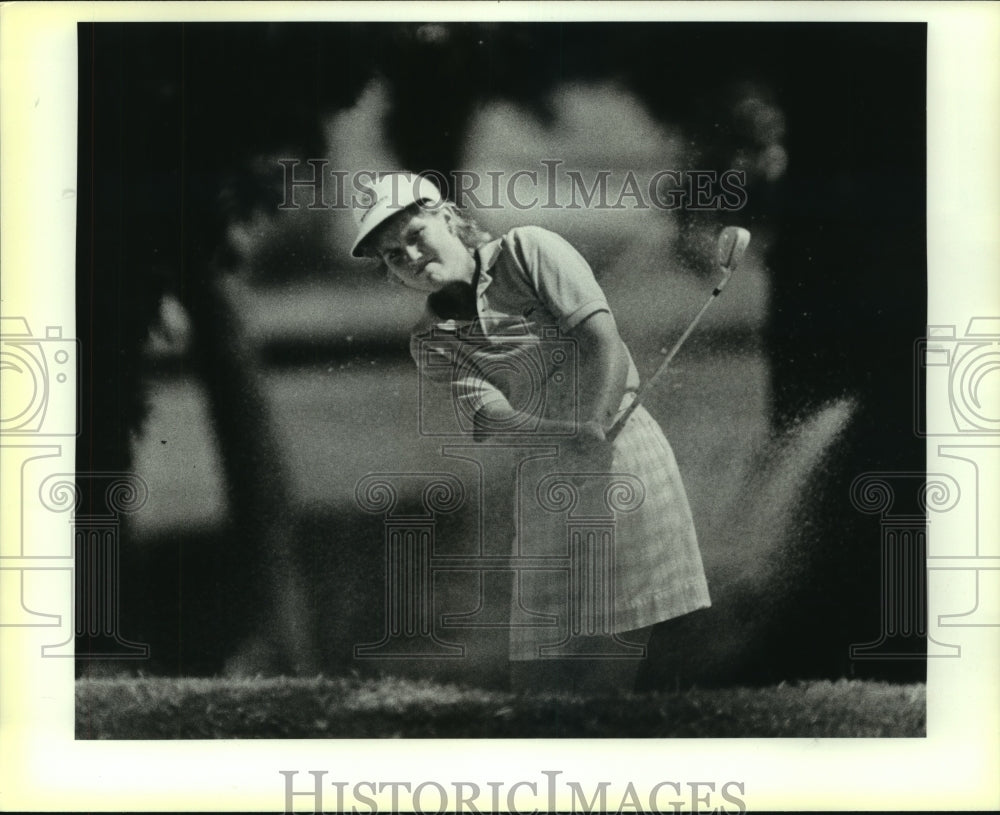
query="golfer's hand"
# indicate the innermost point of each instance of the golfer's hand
(591, 433)
(590, 439)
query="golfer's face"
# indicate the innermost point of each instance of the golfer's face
(423, 250)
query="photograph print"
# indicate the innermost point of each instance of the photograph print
(501, 380)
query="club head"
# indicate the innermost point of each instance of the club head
(732, 243)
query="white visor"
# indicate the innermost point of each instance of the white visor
(389, 195)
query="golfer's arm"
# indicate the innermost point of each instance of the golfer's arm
(603, 368)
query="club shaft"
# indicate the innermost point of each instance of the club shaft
(617, 427)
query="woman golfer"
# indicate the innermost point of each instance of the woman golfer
(506, 316)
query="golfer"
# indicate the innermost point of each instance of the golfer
(491, 301)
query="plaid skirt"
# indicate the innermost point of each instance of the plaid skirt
(607, 545)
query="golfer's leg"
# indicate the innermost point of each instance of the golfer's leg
(609, 676)
(586, 676)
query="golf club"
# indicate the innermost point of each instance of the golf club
(732, 243)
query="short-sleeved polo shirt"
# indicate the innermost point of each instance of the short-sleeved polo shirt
(537, 274)
(533, 289)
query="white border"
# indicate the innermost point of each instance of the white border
(44, 768)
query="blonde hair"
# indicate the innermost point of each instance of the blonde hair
(470, 233)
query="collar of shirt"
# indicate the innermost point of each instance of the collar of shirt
(486, 255)
(488, 325)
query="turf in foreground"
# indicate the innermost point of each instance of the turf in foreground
(149, 708)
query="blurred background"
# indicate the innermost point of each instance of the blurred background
(239, 361)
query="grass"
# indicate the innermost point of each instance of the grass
(152, 708)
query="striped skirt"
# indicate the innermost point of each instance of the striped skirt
(606, 544)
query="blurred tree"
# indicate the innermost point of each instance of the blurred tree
(172, 118)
